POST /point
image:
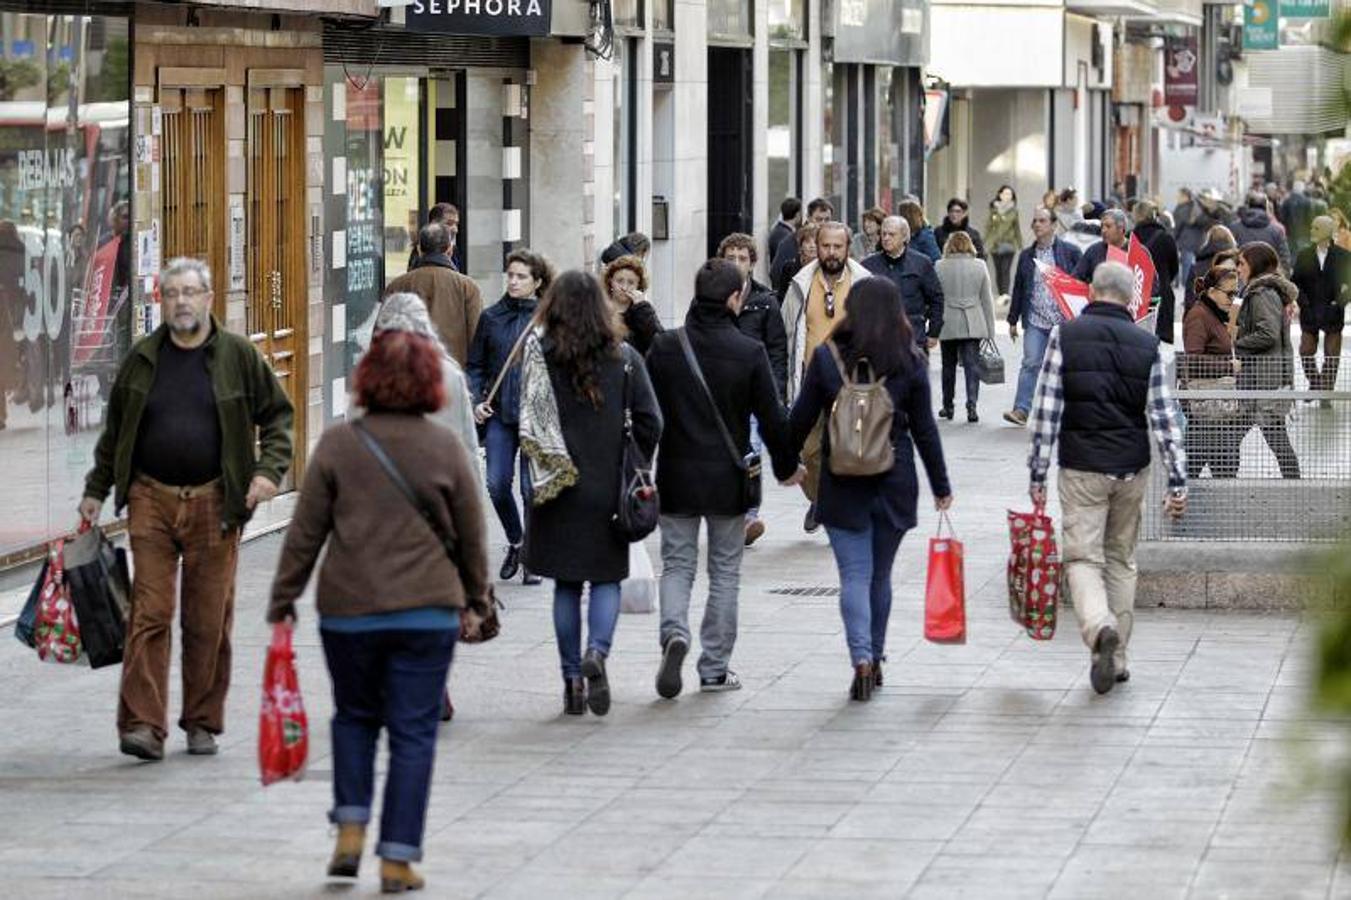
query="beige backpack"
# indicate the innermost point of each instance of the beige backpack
(860, 423)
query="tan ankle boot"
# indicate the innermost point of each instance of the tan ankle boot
(397, 877)
(347, 855)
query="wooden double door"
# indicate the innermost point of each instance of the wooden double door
(258, 246)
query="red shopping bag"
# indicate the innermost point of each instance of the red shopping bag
(945, 593)
(56, 630)
(283, 733)
(1033, 572)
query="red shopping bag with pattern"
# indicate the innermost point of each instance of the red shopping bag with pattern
(945, 591)
(1033, 572)
(56, 630)
(283, 732)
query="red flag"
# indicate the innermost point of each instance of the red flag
(1142, 266)
(1070, 294)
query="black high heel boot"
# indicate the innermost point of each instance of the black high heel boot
(574, 696)
(862, 687)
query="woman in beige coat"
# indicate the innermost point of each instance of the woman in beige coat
(968, 319)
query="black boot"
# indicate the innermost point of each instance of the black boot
(574, 696)
(946, 411)
(597, 684)
(862, 687)
(971, 413)
(529, 578)
(512, 564)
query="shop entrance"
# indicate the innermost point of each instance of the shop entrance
(278, 293)
(730, 160)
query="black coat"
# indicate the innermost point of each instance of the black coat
(947, 230)
(780, 231)
(1253, 224)
(572, 537)
(784, 266)
(1163, 250)
(498, 328)
(845, 501)
(1323, 293)
(762, 319)
(696, 474)
(643, 325)
(921, 292)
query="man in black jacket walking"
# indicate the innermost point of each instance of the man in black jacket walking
(914, 274)
(701, 477)
(1163, 251)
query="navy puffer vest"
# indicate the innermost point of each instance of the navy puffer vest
(1108, 359)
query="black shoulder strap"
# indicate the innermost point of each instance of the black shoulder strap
(392, 470)
(717, 416)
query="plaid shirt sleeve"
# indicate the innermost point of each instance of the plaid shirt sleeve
(1163, 424)
(1047, 406)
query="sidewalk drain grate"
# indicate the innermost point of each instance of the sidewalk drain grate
(818, 591)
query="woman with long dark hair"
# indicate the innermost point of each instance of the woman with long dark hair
(578, 378)
(866, 516)
(1265, 353)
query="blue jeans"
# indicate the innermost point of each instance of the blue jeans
(602, 614)
(503, 443)
(391, 678)
(864, 558)
(1034, 350)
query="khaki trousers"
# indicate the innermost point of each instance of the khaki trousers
(1101, 517)
(169, 527)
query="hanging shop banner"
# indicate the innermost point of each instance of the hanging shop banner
(1180, 71)
(505, 18)
(1259, 25)
(1306, 9)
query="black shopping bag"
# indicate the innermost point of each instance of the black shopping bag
(100, 590)
(24, 628)
(991, 365)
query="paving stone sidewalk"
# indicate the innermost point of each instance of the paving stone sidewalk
(985, 770)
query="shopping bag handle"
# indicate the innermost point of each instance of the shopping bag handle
(943, 518)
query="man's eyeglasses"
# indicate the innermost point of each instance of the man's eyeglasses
(188, 293)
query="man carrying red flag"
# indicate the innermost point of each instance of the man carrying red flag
(1118, 246)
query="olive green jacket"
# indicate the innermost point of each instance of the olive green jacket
(254, 412)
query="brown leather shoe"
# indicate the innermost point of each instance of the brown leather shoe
(397, 877)
(346, 859)
(862, 687)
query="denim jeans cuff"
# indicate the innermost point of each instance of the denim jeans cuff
(396, 852)
(350, 815)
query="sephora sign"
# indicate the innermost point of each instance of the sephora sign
(503, 18)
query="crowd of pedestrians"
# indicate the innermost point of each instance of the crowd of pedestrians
(569, 379)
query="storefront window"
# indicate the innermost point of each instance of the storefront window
(625, 84)
(888, 174)
(781, 143)
(787, 20)
(663, 15)
(66, 316)
(628, 13)
(730, 18)
(400, 171)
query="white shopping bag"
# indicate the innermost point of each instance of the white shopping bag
(638, 592)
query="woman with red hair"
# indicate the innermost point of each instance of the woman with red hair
(390, 597)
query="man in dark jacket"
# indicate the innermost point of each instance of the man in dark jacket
(790, 217)
(447, 214)
(1163, 251)
(914, 274)
(1323, 276)
(761, 319)
(1254, 224)
(785, 263)
(701, 477)
(452, 299)
(959, 219)
(197, 433)
(1297, 214)
(1103, 392)
(1032, 306)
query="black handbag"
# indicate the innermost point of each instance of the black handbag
(100, 590)
(491, 625)
(639, 504)
(752, 489)
(990, 363)
(23, 628)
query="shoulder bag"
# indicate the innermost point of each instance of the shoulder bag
(491, 624)
(639, 505)
(748, 463)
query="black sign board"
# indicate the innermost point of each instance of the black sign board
(663, 62)
(506, 18)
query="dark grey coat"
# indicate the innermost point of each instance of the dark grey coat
(572, 538)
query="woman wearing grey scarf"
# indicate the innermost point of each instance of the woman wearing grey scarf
(407, 312)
